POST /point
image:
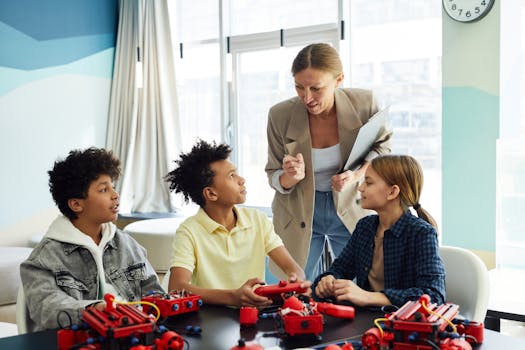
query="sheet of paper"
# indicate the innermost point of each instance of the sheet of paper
(366, 137)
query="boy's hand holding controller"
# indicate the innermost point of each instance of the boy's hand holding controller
(274, 292)
(245, 295)
(256, 293)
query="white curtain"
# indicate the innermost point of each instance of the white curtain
(143, 129)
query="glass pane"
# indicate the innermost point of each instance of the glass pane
(510, 204)
(198, 90)
(380, 12)
(510, 195)
(255, 16)
(396, 52)
(264, 79)
(184, 14)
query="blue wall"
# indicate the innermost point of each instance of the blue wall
(470, 129)
(56, 63)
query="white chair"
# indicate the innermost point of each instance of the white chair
(467, 282)
(22, 313)
(165, 281)
(7, 329)
(10, 260)
(156, 235)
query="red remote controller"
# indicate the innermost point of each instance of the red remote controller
(338, 311)
(274, 291)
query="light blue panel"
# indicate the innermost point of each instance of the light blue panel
(469, 130)
(45, 20)
(41, 121)
(56, 62)
(23, 52)
(97, 65)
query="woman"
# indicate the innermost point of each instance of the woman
(394, 255)
(309, 139)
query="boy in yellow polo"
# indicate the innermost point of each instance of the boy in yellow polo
(220, 252)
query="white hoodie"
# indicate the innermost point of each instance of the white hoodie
(63, 230)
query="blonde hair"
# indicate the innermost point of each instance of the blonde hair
(318, 56)
(405, 172)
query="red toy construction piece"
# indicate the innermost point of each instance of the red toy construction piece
(173, 303)
(170, 341)
(276, 291)
(118, 327)
(248, 316)
(339, 311)
(242, 345)
(346, 346)
(298, 315)
(424, 326)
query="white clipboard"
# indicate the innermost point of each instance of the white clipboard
(366, 137)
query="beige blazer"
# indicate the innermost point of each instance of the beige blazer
(289, 133)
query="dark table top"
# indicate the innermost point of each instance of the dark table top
(221, 330)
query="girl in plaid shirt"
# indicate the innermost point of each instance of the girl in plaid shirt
(393, 256)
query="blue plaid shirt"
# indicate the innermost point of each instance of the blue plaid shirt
(411, 256)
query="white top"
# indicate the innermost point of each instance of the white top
(326, 162)
(63, 230)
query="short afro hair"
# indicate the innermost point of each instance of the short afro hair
(193, 172)
(70, 178)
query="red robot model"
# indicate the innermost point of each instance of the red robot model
(173, 303)
(423, 326)
(297, 315)
(118, 327)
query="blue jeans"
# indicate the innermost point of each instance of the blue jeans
(327, 228)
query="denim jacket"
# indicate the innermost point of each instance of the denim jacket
(62, 274)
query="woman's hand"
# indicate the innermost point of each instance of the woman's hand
(293, 170)
(325, 287)
(339, 181)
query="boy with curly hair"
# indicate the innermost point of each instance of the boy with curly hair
(220, 252)
(83, 255)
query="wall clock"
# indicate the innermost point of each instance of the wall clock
(467, 10)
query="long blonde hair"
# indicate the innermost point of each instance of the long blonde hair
(318, 56)
(405, 172)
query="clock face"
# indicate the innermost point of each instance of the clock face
(467, 10)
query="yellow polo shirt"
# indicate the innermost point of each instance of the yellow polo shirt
(220, 259)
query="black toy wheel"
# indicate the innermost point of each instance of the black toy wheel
(279, 324)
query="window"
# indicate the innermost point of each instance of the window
(390, 46)
(396, 52)
(273, 15)
(198, 71)
(261, 81)
(510, 193)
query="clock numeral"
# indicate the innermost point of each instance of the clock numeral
(467, 10)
